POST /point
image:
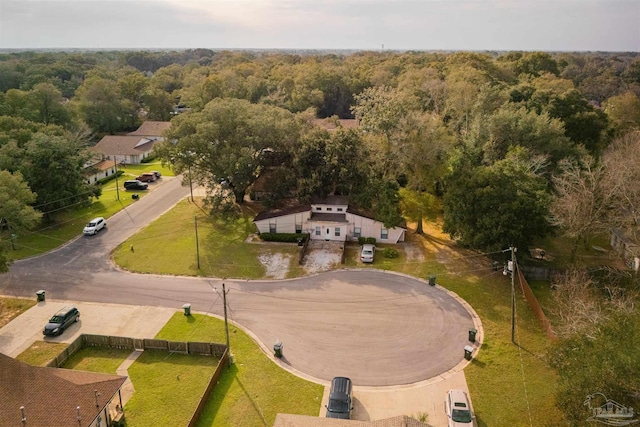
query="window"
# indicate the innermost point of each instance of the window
(339, 209)
(318, 208)
(298, 228)
(384, 234)
(337, 231)
(329, 209)
(272, 228)
(357, 231)
(317, 230)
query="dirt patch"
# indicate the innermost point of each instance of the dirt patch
(318, 260)
(277, 265)
(413, 252)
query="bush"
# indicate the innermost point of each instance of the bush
(109, 178)
(390, 253)
(284, 237)
(366, 240)
(148, 159)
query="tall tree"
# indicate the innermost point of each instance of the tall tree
(16, 212)
(100, 105)
(227, 141)
(493, 207)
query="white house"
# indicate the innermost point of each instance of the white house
(96, 169)
(328, 218)
(133, 147)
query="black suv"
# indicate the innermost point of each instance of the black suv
(61, 320)
(340, 399)
(134, 184)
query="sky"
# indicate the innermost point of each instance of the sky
(494, 25)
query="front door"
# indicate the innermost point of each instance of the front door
(328, 234)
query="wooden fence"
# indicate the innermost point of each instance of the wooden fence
(133, 344)
(535, 306)
(224, 362)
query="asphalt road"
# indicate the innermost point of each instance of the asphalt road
(377, 328)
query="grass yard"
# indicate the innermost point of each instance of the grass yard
(222, 247)
(97, 359)
(41, 352)
(254, 389)
(168, 387)
(10, 308)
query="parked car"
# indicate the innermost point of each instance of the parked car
(95, 225)
(157, 174)
(147, 177)
(458, 409)
(339, 405)
(134, 184)
(367, 253)
(61, 321)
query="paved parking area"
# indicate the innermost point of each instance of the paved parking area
(105, 319)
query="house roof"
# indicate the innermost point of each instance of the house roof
(329, 217)
(102, 165)
(330, 200)
(151, 128)
(50, 396)
(282, 212)
(290, 420)
(112, 145)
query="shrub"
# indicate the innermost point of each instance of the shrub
(283, 237)
(370, 240)
(361, 240)
(390, 253)
(109, 178)
(148, 159)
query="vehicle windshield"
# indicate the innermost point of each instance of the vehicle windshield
(91, 224)
(56, 319)
(461, 415)
(367, 252)
(338, 405)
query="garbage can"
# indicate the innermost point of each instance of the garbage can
(135, 196)
(300, 241)
(472, 334)
(467, 352)
(277, 349)
(187, 309)
(40, 295)
(432, 280)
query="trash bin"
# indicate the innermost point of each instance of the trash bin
(277, 349)
(300, 241)
(472, 334)
(40, 295)
(432, 280)
(467, 352)
(135, 196)
(187, 309)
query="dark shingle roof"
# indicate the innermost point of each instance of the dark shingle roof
(50, 396)
(330, 200)
(329, 217)
(281, 212)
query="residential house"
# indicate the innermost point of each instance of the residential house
(329, 218)
(51, 397)
(133, 147)
(97, 168)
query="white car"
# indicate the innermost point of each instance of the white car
(458, 409)
(94, 226)
(367, 253)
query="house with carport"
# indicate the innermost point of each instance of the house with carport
(328, 218)
(134, 147)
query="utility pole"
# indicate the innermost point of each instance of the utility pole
(197, 245)
(226, 324)
(513, 294)
(117, 189)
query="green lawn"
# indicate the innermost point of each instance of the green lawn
(254, 389)
(10, 308)
(41, 352)
(97, 359)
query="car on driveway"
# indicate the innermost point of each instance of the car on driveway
(134, 184)
(339, 405)
(147, 177)
(458, 409)
(95, 225)
(61, 321)
(367, 253)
